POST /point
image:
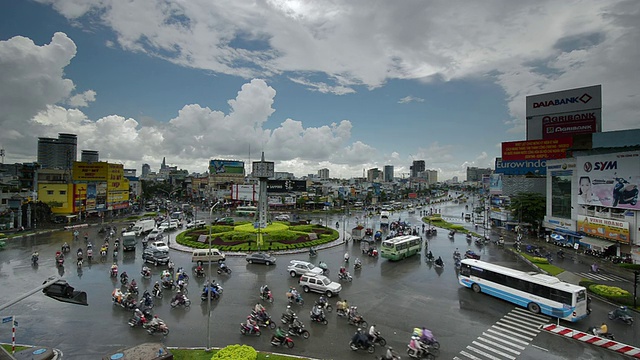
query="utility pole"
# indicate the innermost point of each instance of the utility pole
(636, 277)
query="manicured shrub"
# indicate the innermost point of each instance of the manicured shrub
(630, 266)
(539, 260)
(234, 352)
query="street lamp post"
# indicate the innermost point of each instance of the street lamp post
(209, 281)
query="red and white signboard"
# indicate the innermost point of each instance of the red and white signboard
(536, 149)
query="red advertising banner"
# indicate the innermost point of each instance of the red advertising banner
(536, 149)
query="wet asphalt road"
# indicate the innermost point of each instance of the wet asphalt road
(397, 296)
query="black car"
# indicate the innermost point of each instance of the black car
(260, 258)
(155, 256)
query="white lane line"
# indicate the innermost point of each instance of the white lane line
(500, 346)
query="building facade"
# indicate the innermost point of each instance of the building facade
(388, 173)
(417, 167)
(323, 174)
(475, 173)
(89, 156)
(58, 153)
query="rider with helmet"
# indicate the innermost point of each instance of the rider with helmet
(373, 333)
(279, 336)
(264, 291)
(439, 261)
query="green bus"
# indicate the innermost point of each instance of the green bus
(400, 247)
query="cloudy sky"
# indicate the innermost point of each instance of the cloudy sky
(346, 85)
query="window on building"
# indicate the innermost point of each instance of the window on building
(49, 192)
(63, 192)
(561, 196)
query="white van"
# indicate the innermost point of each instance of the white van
(202, 256)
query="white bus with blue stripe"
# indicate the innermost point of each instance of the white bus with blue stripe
(537, 292)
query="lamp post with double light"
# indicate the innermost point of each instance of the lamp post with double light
(209, 281)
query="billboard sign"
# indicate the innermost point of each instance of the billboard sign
(221, 167)
(563, 125)
(244, 192)
(605, 228)
(536, 149)
(90, 171)
(521, 167)
(565, 101)
(92, 194)
(564, 113)
(495, 184)
(609, 180)
(101, 196)
(281, 186)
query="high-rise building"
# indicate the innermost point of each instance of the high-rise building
(89, 156)
(388, 173)
(475, 173)
(373, 175)
(417, 167)
(431, 176)
(323, 174)
(58, 153)
(146, 169)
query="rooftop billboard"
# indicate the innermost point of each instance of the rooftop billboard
(536, 149)
(90, 171)
(221, 167)
(564, 113)
(521, 167)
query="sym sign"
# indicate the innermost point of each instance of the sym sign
(564, 113)
(609, 180)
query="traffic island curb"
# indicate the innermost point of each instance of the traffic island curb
(592, 339)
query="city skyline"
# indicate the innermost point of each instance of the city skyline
(343, 86)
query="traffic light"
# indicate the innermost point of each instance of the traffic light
(636, 276)
(62, 291)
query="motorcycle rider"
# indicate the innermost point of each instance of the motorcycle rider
(390, 354)
(346, 257)
(620, 312)
(373, 333)
(181, 284)
(156, 289)
(114, 269)
(430, 255)
(343, 271)
(65, 247)
(170, 266)
(264, 291)
(456, 253)
(603, 329)
(317, 313)
(261, 312)
(279, 336)
(595, 268)
(342, 306)
(426, 336)
(289, 314)
(146, 271)
(292, 295)
(322, 302)
(358, 264)
(79, 254)
(156, 322)
(117, 295)
(179, 298)
(133, 286)
(199, 271)
(414, 345)
(360, 339)
(35, 256)
(137, 316)
(439, 261)
(313, 251)
(250, 324)
(123, 277)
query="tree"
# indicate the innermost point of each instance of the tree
(529, 208)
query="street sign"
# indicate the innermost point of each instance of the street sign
(7, 319)
(15, 323)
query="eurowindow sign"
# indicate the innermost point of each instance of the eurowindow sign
(520, 167)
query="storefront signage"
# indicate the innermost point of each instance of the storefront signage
(604, 228)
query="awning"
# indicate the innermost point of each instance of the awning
(597, 244)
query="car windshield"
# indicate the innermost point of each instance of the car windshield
(326, 281)
(311, 266)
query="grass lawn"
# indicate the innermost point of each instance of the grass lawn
(18, 348)
(551, 269)
(182, 354)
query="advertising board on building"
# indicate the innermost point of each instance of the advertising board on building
(495, 184)
(244, 192)
(609, 180)
(559, 223)
(536, 149)
(605, 228)
(521, 167)
(560, 168)
(90, 171)
(281, 186)
(564, 113)
(221, 167)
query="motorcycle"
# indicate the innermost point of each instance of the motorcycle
(263, 321)
(423, 354)
(59, 259)
(625, 193)
(469, 254)
(318, 318)
(134, 321)
(451, 234)
(357, 320)
(161, 327)
(313, 253)
(372, 252)
(297, 298)
(500, 241)
(169, 285)
(125, 304)
(287, 341)
(324, 306)
(34, 259)
(113, 272)
(457, 263)
(288, 319)
(66, 248)
(89, 254)
(345, 276)
(355, 347)
(147, 300)
(379, 340)
(225, 270)
(267, 296)
(184, 301)
(560, 254)
(200, 273)
(622, 315)
(253, 330)
(297, 329)
(357, 265)
(157, 293)
(594, 331)
(124, 279)
(325, 269)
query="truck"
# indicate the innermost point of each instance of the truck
(143, 226)
(129, 241)
(358, 233)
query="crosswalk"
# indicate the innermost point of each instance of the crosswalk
(505, 339)
(602, 277)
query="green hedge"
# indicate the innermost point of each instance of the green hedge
(630, 266)
(233, 352)
(605, 292)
